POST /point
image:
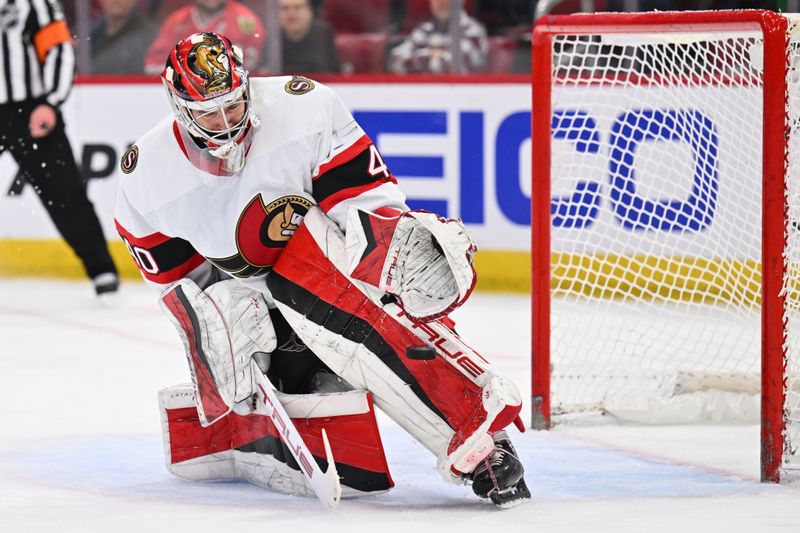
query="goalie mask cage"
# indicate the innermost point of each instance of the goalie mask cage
(666, 221)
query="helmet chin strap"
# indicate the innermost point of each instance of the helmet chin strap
(233, 153)
(232, 156)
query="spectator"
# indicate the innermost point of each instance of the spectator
(428, 47)
(306, 42)
(501, 16)
(226, 16)
(34, 38)
(121, 38)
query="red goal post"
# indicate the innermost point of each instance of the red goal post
(612, 93)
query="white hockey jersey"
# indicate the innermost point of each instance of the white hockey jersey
(177, 220)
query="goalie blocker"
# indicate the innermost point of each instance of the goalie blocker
(451, 403)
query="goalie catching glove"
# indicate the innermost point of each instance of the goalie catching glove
(422, 259)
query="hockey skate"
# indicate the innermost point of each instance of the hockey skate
(499, 476)
(105, 283)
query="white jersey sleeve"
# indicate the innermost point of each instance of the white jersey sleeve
(161, 259)
(350, 170)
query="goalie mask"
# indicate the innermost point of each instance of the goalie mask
(208, 89)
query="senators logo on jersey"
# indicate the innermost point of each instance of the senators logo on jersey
(299, 85)
(261, 233)
(129, 159)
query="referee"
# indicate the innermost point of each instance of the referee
(37, 64)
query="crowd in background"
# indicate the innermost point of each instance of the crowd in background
(335, 36)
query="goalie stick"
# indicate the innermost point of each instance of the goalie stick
(325, 484)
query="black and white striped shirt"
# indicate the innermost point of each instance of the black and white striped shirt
(37, 58)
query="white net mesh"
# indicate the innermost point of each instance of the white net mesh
(656, 236)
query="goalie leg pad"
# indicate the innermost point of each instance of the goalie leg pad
(451, 403)
(248, 447)
(221, 329)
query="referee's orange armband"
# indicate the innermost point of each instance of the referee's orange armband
(51, 35)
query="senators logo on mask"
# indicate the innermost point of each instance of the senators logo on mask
(208, 62)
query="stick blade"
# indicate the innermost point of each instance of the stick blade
(326, 485)
(331, 473)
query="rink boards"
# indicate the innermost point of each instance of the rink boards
(461, 150)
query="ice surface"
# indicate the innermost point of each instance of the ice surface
(81, 450)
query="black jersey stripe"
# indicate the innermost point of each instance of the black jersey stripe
(6, 68)
(172, 253)
(51, 14)
(59, 64)
(354, 173)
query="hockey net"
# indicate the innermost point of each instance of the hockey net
(666, 221)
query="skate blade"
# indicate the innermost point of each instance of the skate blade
(516, 495)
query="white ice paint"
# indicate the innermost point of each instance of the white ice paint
(80, 447)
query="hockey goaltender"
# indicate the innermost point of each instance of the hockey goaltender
(304, 289)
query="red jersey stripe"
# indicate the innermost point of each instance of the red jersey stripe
(345, 194)
(174, 274)
(148, 241)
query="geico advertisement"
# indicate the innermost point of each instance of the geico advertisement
(464, 151)
(445, 143)
(676, 166)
